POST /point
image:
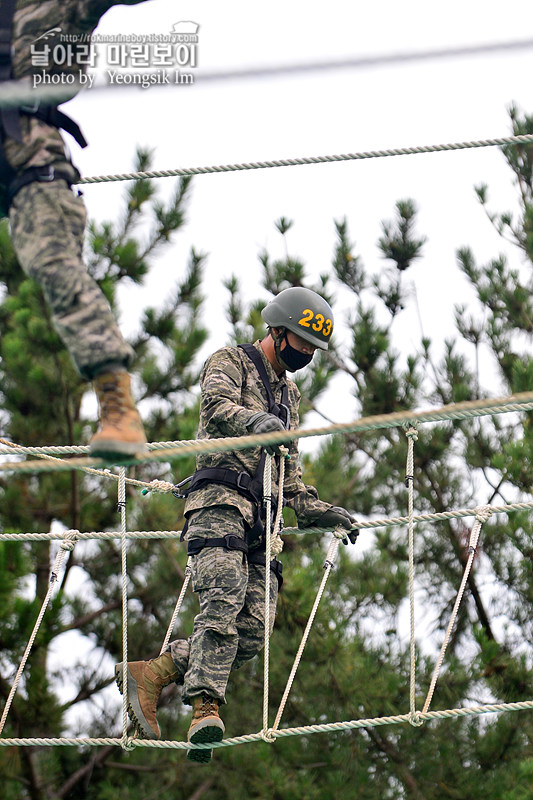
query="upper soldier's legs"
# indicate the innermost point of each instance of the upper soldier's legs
(47, 226)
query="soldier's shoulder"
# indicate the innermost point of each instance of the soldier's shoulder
(225, 360)
(294, 392)
(225, 354)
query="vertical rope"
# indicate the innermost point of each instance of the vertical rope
(328, 566)
(267, 500)
(121, 506)
(482, 515)
(188, 573)
(412, 436)
(276, 542)
(67, 544)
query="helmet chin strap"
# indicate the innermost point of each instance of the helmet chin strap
(278, 338)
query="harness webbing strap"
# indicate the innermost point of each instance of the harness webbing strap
(228, 542)
(13, 179)
(245, 484)
(279, 410)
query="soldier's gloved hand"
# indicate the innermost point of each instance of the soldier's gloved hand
(337, 517)
(263, 422)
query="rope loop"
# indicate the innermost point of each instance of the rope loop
(340, 533)
(416, 719)
(268, 736)
(129, 743)
(411, 430)
(70, 539)
(483, 513)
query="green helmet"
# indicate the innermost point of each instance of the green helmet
(303, 312)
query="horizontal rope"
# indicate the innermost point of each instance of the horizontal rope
(455, 411)
(304, 730)
(153, 486)
(369, 524)
(307, 160)
(72, 449)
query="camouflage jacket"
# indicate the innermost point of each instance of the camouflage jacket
(232, 392)
(75, 20)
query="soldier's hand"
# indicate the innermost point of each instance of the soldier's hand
(337, 517)
(263, 422)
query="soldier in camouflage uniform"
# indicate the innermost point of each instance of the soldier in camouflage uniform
(47, 221)
(229, 630)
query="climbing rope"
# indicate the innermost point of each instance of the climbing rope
(45, 453)
(362, 525)
(437, 516)
(267, 500)
(412, 436)
(468, 409)
(296, 162)
(15, 92)
(177, 608)
(67, 545)
(121, 505)
(482, 515)
(328, 566)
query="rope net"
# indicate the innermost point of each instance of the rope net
(409, 421)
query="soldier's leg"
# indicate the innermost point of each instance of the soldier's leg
(146, 680)
(251, 618)
(47, 226)
(220, 579)
(179, 650)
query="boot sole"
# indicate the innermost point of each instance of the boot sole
(140, 723)
(204, 735)
(117, 449)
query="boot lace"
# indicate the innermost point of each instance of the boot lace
(112, 401)
(209, 706)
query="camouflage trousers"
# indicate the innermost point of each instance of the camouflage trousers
(47, 223)
(229, 630)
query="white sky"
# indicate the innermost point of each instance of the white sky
(231, 215)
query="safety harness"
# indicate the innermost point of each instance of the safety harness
(247, 486)
(12, 180)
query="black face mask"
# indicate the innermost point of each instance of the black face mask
(292, 359)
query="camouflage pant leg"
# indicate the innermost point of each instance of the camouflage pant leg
(47, 225)
(250, 624)
(251, 618)
(227, 628)
(179, 651)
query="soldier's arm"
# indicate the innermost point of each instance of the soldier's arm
(222, 412)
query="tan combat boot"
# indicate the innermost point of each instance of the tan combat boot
(121, 431)
(146, 680)
(206, 726)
